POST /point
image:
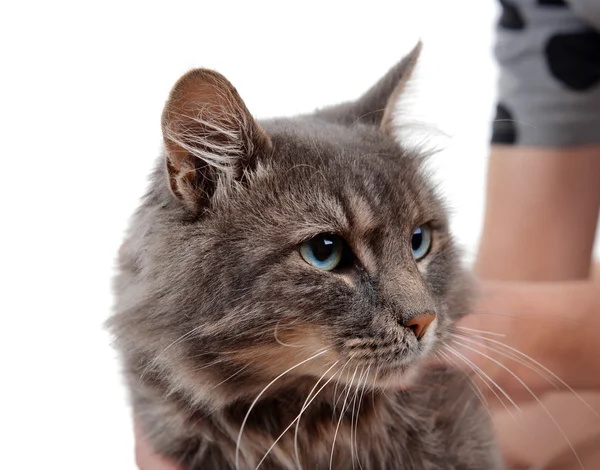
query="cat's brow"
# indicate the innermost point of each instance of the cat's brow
(362, 215)
(364, 225)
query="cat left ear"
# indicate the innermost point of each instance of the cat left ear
(210, 137)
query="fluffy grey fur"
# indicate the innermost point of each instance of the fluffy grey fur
(214, 302)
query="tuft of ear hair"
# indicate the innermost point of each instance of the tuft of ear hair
(211, 138)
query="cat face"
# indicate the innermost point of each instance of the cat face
(305, 247)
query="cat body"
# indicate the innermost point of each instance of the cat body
(274, 304)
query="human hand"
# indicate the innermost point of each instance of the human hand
(524, 339)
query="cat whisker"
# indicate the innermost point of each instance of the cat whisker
(346, 389)
(373, 390)
(483, 376)
(297, 418)
(239, 371)
(217, 361)
(354, 396)
(253, 404)
(208, 353)
(281, 342)
(472, 384)
(356, 390)
(386, 395)
(519, 314)
(335, 402)
(546, 370)
(443, 356)
(535, 397)
(508, 355)
(304, 406)
(337, 428)
(366, 381)
(206, 366)
(516, 121)
(485, 332)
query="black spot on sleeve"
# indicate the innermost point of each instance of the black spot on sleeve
(574, 59)
(503, 127)
(552, 3)
(511, 17)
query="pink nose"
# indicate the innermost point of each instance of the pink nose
(420, 323)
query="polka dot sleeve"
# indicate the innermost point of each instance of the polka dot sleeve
(548, 52)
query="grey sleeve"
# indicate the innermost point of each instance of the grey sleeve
(548, 52)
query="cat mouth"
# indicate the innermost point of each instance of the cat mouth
(393, 365)
(393, 374)
(395, 359)
(395, 353)
(391, 354)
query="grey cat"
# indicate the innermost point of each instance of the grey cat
(282, 287)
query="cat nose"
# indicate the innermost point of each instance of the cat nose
(420, 323)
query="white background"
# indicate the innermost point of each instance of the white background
(82, 86)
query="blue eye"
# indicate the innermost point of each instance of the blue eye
(421, 242)
(324, 252)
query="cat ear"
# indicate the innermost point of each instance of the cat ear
(377, 106)
(210, 137)
(405, 118)
(398, 102)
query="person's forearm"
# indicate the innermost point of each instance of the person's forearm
(541, 213)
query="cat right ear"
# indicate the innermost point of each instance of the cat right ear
(375, 106)
(211, 138)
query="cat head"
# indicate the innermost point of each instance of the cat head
(295, 248)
